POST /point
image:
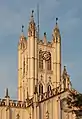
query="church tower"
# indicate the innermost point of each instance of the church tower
(42, 90)
(39, 62)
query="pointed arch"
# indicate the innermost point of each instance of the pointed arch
(49, 88)
(49, 62)
(40, 88)
(40, 60)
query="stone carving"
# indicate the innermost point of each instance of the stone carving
(17, 116)
(46, 55)
(47, 114)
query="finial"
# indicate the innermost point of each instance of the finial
(47, 114)
(64, 71)
(32, 16)
(22, 28)
(7, 95)
(56, 20)
(45, 39)
(32, 12)
(44, 33)
(65, 68)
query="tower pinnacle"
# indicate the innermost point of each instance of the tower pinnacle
(22, 31)
(32, 26)
(56, 20)
(32, 12)
(56, 27)
(22, 28)
(6, 95)
(56, 31)
(32, 16)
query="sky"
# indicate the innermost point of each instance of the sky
(14, 13)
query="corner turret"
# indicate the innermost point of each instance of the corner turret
(32, 26)
(66, 79)
(56, 32)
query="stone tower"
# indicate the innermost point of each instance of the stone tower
(39, 62)
(42, 90)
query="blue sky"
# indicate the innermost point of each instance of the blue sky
(17, 12)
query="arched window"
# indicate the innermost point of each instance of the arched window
(48, 88)
(40, 88)
(49, 63)
(40, 60)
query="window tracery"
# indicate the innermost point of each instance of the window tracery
(49, 63)
(48, 88)
(40, 60)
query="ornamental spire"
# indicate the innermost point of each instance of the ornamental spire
(32, 26)
(45, 38)
(32, 16)
(6, 95)
(64, 72)
(22, 28)
(56, 20)
(22, 31)
(56, 31)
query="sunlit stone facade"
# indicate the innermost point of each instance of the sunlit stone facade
(42, 88)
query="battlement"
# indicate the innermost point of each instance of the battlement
(42, 42)
(54, 92)
(65, 86)
(15, 103)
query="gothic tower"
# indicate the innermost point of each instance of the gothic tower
(39, 62)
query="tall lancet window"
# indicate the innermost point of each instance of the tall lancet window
(48, 88)
(24, 66)
(49, 63)
(40, 60)
(40, 88)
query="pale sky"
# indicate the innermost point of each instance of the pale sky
(14, 13)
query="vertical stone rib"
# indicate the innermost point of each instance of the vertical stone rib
(58, 62)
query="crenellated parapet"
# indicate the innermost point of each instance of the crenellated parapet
(15, 103)
(52, 93)
(48, 43)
